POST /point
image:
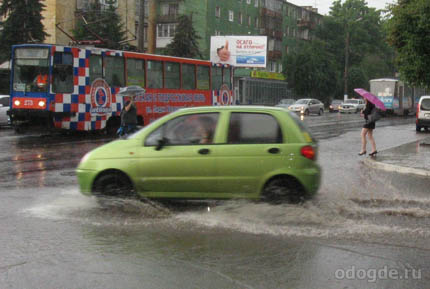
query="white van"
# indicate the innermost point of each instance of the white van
(423, 113)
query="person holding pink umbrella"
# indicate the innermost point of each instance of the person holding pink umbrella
(369, 113)
(367, 130)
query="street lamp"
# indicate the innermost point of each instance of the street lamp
(345, 72)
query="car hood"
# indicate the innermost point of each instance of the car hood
(113, 150)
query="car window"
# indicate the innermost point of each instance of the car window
(186, 130)
(4, 101)
(425, 104)
(302, 101)
(253, 128)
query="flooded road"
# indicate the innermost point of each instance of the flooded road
(365, 229)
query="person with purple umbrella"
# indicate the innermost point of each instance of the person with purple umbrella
(367, 129)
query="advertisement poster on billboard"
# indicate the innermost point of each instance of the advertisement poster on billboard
(239, 51)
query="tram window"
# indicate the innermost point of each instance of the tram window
(136, 72)
(203, 77)
(171, 76)
(227, 76)
(154, 74)
(188, 76)
(216, 77)
(96, 67)
(114, 71)
(62, 73)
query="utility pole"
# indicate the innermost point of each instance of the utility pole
(141, 27)
(152, 29)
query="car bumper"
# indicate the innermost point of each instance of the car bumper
(423, 122)
(85, 180)
(352, 109)
(310, 179)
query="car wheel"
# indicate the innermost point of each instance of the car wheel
(115, 184)
(418, 128)
(321, 111)
(307, 112)
(357, 110)
(283, 190)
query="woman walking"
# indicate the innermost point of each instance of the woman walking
(367, 130)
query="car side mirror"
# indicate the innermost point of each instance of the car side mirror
(161, 143)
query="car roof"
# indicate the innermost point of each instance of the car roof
(233, 107)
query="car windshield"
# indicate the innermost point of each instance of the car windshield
(353, 101)
(30, 70)
(302, 101)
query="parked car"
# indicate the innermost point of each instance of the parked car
(307, 106)
(286, 102)
(423, 113)
(352, 105)
(335, 105)
(4, 107)
(209, 152)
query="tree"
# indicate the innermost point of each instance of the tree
(23, 24)
(102, 24)
(311, 71)
(409, 33)
(184, 43)
(354, 34)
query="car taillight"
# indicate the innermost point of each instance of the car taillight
(418, 110)
(308, 152)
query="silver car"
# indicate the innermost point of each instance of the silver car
(286, 102)
(352, 105)
(307, 106)
(4, 107)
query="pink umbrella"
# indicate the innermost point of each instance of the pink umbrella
(370, 97)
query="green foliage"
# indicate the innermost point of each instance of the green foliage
(184, 43)
(311, 71)
(409, 33)
(102, 23)
(369, 56)
(23, 24)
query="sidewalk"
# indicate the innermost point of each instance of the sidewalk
(411, 158)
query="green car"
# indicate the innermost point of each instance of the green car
(212, 152)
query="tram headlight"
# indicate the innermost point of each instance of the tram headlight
(17, 103)
(41, 103)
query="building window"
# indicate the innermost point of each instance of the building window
(256, 3)
(240, 18)
(256, 22)
(217, 33)
(217, 12)
(166, 30)
(169, 9)
(248, 1)
(280, 67)
(230, 16)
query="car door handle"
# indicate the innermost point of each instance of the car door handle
(274, 150)
(204, 151)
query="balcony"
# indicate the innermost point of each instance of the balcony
(270, 13)
(305, 24)
(167, 18)
(271, 33)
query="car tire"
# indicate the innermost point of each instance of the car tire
(306, 112)
(283, 190)
(114, 184)
(321, 112)
(418, 128)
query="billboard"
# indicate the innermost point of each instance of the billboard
(239, 51)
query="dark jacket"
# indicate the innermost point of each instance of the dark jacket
(368, 109)
(130, 116)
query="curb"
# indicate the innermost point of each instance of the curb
(394, 168)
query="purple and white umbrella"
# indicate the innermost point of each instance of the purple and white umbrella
(370, 97)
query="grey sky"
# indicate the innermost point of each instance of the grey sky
(324, 5)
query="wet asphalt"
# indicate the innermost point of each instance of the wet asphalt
(366, 228)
